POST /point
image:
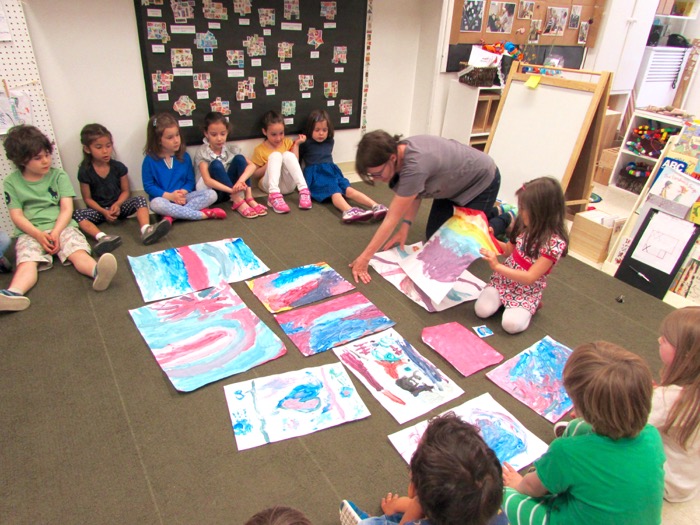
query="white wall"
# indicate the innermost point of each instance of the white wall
(90, 66)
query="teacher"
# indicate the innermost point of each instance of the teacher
(424, 166)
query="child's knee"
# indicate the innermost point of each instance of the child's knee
(515, 320)
(488, 303)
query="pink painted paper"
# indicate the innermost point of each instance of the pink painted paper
(464, 350)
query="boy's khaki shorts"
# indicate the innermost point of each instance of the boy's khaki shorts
(28, 248)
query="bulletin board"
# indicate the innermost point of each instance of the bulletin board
(561, 22)
(246, 57)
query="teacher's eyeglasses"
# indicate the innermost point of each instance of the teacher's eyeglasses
(378, 172)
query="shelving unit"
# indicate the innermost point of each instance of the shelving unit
(470, 113)
(627, 155)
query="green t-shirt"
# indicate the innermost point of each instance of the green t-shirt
(39, 201)
(604, 481)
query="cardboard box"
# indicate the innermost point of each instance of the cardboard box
(589, 237)
(605, 164)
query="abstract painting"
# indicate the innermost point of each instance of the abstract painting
(508, 438)
(386, 263)
(534, 377)
(201, 337)
(297, 403)
(298, 286)
(322, 326)
(403, 381)
(178, 271)
(467, 352)
(436, 268)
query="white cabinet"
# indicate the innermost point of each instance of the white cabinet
(659, 75)
(470, 113)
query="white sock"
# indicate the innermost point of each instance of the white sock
(144, 228)
(100, 235)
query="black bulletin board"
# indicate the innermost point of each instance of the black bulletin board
(169, 49)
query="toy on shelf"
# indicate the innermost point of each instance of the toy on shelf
(649, 141)
(633, 176)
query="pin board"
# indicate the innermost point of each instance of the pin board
(246, 57)
(549, 126)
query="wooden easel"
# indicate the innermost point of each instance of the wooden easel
(553, 128)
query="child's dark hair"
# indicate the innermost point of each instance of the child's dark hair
(543, 201)
(319, 115)
(271, 117)
(89, 134)
(374, 149)
(23, 143)
(681, 328)
(213, 117)
(610, 387)
(279, 516)
(456, 476)
(157, 125)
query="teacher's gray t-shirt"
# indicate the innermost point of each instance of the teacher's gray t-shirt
(438, 168)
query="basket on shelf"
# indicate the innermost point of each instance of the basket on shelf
(633, 176)
(479, 76)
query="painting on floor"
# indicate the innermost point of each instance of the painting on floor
(273, 408)
(298, 286)
(508, 438)
(320, 327)
(436, 268)
(534, 377)
(467, 287)
(201, 337)
(402, 380)
(178, 271)
(464, 350)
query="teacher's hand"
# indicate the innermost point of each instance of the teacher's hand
(360, 270)
(398, 239)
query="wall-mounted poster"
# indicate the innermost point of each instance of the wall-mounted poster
(244, 58)
(472, 16)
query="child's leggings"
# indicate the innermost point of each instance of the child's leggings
(128, 208)
(283, 174)
(227, 177)
(196, 200)
(515, 320)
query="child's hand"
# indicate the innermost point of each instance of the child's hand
(511, 478)
(179, 197)
(114, 211)
(301, 139)
(490, 258)
(239, 186)
(389, 504)
(48, 242)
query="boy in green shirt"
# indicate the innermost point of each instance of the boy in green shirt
(40, 201)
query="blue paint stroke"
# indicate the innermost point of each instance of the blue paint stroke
(429, 370)
(505, 437)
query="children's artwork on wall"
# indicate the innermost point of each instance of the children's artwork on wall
(386, 263)
(298, 286)
(322, 326)
(525, 10)
(501, 16)
(556, 21)
(533, 36)
(575, 18)
(403, 381)
(15, 110)
(467, 352)
(508, 438)
(293, 404)
(177, 271)
(201, 337)
(534, 377)
(436, 268)
(472, 16)
(582, 33)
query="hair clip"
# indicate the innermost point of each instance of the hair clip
(155, 121)
(522, 187)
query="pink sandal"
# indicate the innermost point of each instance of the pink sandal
(214, 213)
(247, 212)
(259, 209)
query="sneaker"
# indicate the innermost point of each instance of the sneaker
(104, 272)
(305, 199)
(357, 215)
(154, 232)
(214, 213)
(350, 514)
(379, 212)
(560, 428)
(276, 202)
(107, 244)
(12, 302)
(5, 265)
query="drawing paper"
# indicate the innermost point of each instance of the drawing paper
(201, 337)
(508, 438)
(177, 271)
(403, 381)
(534, 377)
(283, 406)
(467, 352)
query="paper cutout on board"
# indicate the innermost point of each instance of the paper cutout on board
(467, 352)
(15, 110)
(322, 326)
(177, 271)
(534, 377)
(201, 337)
(386, 263)
(451, 249)
(293, 404)
(508, 438)
(403, 381)
(298, 286)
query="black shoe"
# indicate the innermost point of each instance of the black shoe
(107, 244)
(155, 232)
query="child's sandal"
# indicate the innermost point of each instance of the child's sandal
(259, 209)
(247, 212)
